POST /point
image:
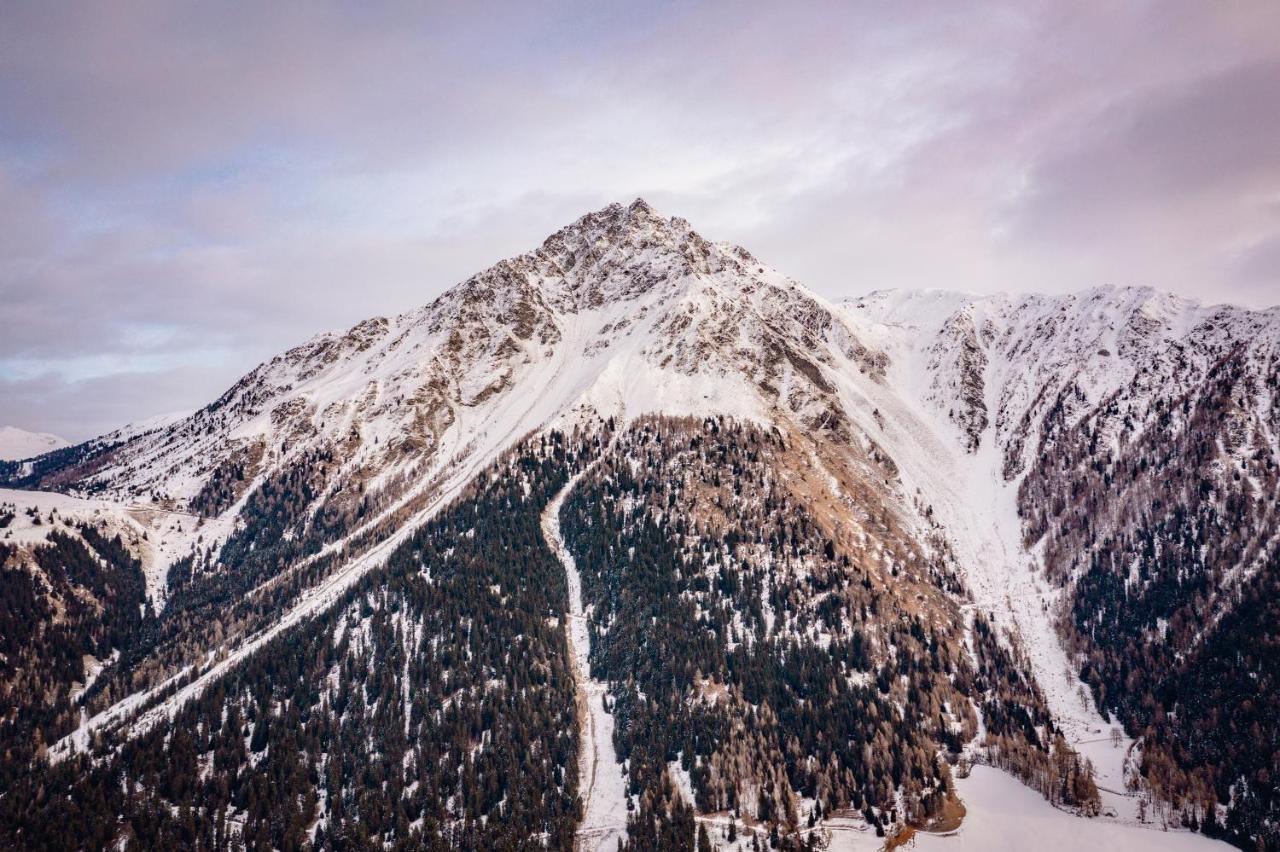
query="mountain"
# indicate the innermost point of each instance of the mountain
(1137, 436)
(18, 443)
(634, 539)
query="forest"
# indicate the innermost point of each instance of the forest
(1162, 525)
(765, 664)
(79, 595)
(754, 660)
(431, 707)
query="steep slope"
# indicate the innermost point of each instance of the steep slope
(1130, 438)
(73, 592)
(769, 655)
(313, 465)
(621, 309)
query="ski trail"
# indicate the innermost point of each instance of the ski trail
(600, 777)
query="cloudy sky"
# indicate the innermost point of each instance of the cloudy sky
(187, 189)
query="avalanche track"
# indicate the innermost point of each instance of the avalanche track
(978, 509)
(600, 777)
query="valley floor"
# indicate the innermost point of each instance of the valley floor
(1004, 814)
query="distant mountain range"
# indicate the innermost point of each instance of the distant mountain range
(18, 443)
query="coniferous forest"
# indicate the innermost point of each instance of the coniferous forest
(1152, 530)
(775, 673)
(760, 667)
(88, 599)
(430, 708)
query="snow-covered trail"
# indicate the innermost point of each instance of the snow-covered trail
(600, 777)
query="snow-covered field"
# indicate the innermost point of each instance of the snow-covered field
(1003, 814)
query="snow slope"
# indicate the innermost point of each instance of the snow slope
(976, 507)
(18, 443)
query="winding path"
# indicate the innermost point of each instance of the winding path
(600, 776)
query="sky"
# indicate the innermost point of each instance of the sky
(188, 188)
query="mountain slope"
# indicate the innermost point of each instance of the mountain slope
(337, 448)
(816, 566)
(1132, 439)
(18, 443)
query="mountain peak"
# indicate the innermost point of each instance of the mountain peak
(619, 251)
(618, 223)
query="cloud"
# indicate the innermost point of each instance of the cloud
(1214, 140)
(81, 409)
(186, 189)
(1257, 266)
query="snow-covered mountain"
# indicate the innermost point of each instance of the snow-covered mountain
(18, 443)
(624, 312)
(917, 500)
(1036, 352)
